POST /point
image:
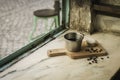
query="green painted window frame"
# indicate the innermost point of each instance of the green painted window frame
(40, 40)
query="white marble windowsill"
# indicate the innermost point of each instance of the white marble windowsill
(38, 66)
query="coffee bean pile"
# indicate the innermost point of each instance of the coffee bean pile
(94, 59)
(94, 50)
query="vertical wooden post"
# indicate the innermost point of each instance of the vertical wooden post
(93, 16)
(63, 12)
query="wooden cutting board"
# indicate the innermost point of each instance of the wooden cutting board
(86, 51)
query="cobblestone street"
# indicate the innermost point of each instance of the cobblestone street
(16, 23)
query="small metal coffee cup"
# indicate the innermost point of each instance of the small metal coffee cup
(73, 41)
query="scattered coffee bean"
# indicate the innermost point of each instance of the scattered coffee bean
(88, 59)
(107, 56)
(96, 61)
(93, 61)
(96, 49)
(92, 49)
(100, 50)
(90, 63)
(102, 58)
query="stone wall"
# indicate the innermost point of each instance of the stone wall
(80, 15)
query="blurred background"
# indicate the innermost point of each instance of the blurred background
(16, 23)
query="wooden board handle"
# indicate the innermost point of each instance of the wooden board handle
(56, 52)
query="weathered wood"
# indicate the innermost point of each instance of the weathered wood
(93, 17)
(56, 52)
(107, 8)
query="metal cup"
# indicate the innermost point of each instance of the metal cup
(73, 41)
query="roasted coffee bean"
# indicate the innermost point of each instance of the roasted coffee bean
(107, 56)
(90, 63)
(97, 51)
(96, 61)
(100, 50)
(93, 61)
(102, 58)
(88, 59)
(92, 49)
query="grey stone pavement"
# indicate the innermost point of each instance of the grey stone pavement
(16, 23)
